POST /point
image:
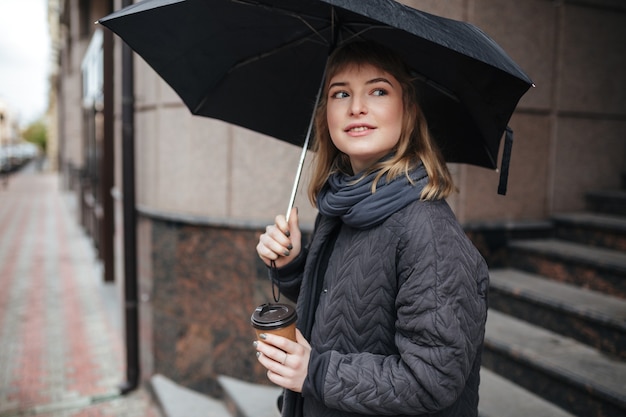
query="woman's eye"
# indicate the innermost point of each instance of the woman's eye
(379, 92)
(339, 94)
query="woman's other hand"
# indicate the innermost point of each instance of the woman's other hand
(287, 362)
(281, 241)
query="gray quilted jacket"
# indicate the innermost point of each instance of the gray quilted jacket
(396, 323)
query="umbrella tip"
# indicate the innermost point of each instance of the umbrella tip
(533, 85)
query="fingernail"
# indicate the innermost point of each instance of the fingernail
(258, 354)
(287, 233)
(286, 253)
(255, 343)
(263, 336)
(290, 247)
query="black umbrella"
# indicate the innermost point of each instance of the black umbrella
(259, 64)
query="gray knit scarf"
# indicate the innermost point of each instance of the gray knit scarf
(358, 207)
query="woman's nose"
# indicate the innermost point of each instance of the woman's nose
(357, 106)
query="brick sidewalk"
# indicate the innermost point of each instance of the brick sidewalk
(60, 353)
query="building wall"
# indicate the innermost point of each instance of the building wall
(52, 112)
(568, 129)
(196, 166)
(9, 129)
(203, 283)
(70, 132)
(206, 189)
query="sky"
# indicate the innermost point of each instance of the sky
(24, 58)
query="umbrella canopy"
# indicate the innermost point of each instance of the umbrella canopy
(259, 63)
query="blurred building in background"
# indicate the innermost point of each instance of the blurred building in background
(9, 128)
(204, 190)
(52, 114)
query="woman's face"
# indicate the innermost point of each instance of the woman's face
(364, 114)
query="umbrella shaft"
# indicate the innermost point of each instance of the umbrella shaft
(305, 147)
(296, 181)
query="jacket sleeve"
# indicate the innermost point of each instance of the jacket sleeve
(289, 277)
(441, 307)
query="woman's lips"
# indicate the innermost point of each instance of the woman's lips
(358, 128)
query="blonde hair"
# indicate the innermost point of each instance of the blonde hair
(415, 143)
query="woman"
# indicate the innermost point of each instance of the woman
(391, 294)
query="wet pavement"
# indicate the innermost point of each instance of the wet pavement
(61, 347)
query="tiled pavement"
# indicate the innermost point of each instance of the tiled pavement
(61, 352)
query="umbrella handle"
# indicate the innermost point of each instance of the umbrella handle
(305, 147)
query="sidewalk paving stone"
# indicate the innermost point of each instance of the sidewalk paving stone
(61, 354)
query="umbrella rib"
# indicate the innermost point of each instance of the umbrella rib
(300, 17)
(305, 20)
(248, 61)
(353, 35)
(357, 34)
(434, 84)
(276, 50)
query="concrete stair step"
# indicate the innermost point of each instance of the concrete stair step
(607, 201)
(491, 237)
(499, 397)
(245, 399)
(567, 373)
(601, 230)
(179, 401)
(598, 269)
(595, 319)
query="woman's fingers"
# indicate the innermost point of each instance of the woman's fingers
(286, 361)
(301, 339)
(272, 244)
(275, 347)
(275, 359)
(294, 230)
(279, 243)
(281, 223)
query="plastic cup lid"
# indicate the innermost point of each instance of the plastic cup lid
(273, 316)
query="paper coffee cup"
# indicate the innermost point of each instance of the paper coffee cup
(279, 319)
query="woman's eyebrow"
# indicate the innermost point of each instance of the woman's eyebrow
(379, 80)
(338, 84)
(372, 81)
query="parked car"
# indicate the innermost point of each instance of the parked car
(15, 156)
